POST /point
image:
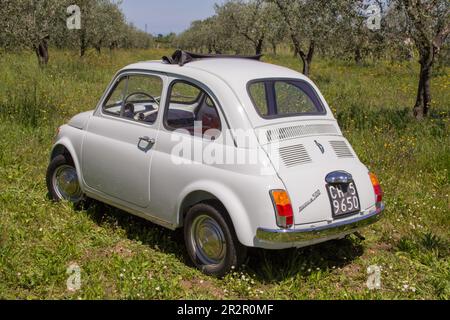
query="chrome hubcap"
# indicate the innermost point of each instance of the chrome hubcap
(65, 182)
(208, 240)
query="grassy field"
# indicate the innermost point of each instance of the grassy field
(122, 256)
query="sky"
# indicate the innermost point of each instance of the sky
(165, 16)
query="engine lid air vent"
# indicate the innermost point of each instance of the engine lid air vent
(299, 131)
(341, 149)
(294, 155)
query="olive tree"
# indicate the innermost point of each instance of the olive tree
(39, 24)
(92, 26)
(276, 27)
(429, 27)
(308, 24)
(108, 26)
(237, 27)
(31, 24)
(132, 37)
(246, 19)
(351, 37)
(212, 35)
(200, 36)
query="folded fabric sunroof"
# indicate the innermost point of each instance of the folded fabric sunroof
(181, 57)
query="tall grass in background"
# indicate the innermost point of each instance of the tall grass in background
(362, 96)
(34, 96)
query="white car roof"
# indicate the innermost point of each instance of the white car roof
(234, 71)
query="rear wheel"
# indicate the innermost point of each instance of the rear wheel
(211, 241)
(62, 180)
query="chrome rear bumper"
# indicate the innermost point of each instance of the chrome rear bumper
(334, 229)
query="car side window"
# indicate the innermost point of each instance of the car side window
(136, 97)
(258, 93)
(189, 104)
(113, 104)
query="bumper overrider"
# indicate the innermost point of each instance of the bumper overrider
(336, 228)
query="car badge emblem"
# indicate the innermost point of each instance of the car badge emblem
(321, 148)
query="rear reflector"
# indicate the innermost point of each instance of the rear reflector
(283, 208)
(376, 188)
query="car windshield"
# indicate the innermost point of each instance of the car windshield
(275, 98)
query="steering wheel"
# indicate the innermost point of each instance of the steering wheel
(143, 94)
(143, 115)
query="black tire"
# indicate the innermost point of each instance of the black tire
(235, 252)
(58, 162)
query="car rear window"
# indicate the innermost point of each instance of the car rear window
(275, 98)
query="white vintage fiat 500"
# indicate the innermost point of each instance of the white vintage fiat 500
(238, 152)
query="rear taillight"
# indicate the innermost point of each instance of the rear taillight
(376, 189)
(283, 208)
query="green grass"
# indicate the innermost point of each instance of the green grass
(122, 256)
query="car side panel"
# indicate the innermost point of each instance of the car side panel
(113, 161)
(242, 188)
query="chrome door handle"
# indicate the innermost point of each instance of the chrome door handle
(149, 143)
(147, 139)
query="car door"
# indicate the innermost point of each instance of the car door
(117, 148)
(191, 123)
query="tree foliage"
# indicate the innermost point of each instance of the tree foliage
(331, 28)
(428, 24)
(38, 24)
(237, 27)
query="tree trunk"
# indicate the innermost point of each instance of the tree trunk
(358, 55)
(83, 43)
(98, 47)
(295, 52)
(41, 51)
(113, 45)
(307, 58)
(312, 47)
(259, 46)
(423, 98)
(216, 50)
(428, 48)
(306, 66)
(274, 48)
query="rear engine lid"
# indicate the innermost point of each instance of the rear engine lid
(303, 155)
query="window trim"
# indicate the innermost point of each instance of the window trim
(188, 102)
(271, 104)
(116, 83)
(168, 101)
(119, 77)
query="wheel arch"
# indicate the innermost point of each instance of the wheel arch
(213, 191)
(64, 147)
(60, 149)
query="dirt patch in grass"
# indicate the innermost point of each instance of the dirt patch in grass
(377, 247)
(120, 249)
(351, 270)
(202, 287)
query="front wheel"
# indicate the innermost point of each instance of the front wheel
(211, 241)
(62, 180)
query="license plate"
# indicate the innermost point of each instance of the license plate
(343, 198)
